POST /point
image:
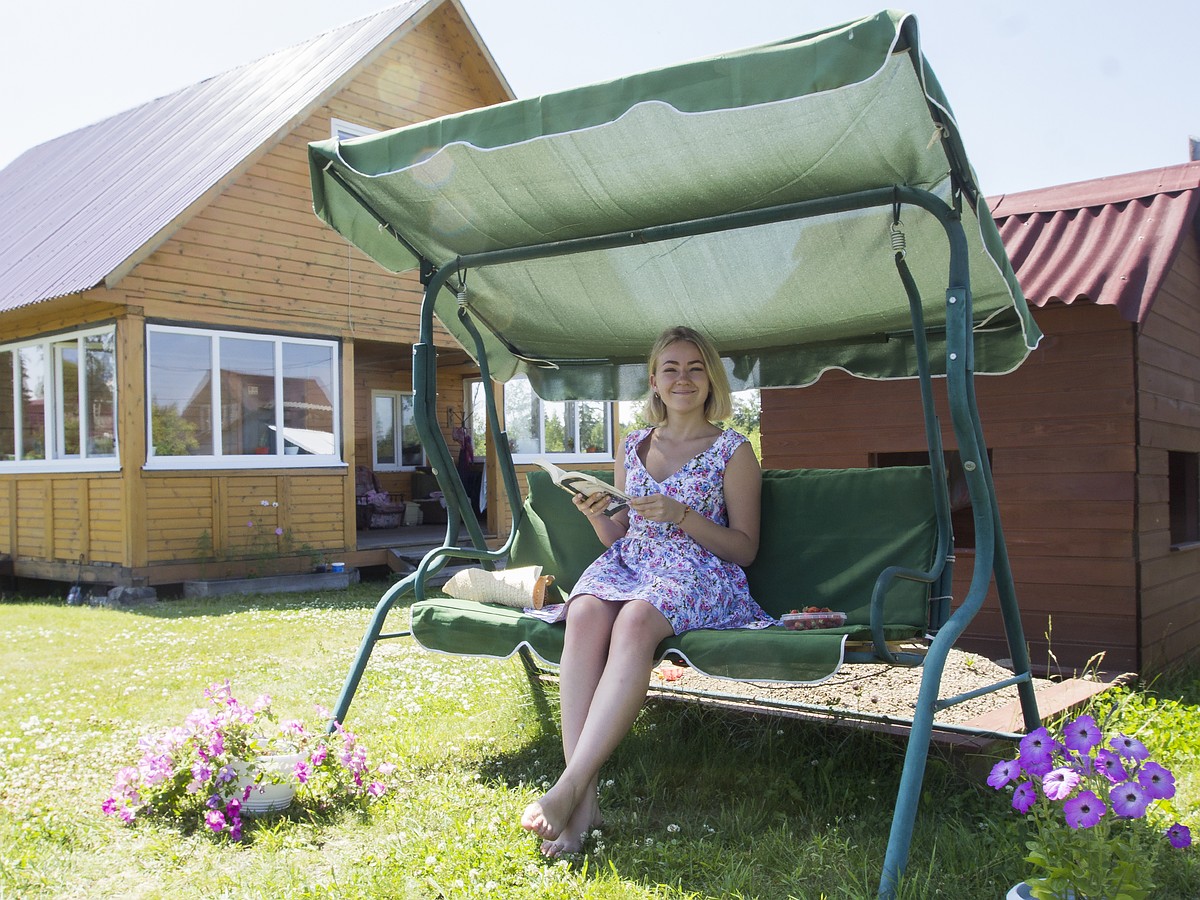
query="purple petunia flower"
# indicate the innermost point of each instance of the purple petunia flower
(1158, 782)
(376, 789)
(1110, 766)
(1003, 772)
(1058, 784)
(1084, 811)
(1024, 797)
(1130, 748)
(1082, 734)
(1036, 745)
(278, 531)
(1180, 836)
(301, 772)
(1129, 800)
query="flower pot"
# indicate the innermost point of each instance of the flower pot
(1023, 891)
(268, 796)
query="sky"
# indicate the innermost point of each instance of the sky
(1046, 92)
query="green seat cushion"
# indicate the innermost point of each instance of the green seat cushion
(826, 536)
(465, 627)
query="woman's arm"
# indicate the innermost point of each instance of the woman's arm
(735, 543)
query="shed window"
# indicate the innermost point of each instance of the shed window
(58, 398)
(1184, 485)
(246, 398)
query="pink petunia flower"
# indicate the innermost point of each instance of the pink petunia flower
(1059, 783)
(215, 819)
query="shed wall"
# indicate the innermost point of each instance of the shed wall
(1061, 435)
(1169, 403)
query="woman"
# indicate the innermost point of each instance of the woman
(674, 562)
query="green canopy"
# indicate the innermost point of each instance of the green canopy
(845, 110)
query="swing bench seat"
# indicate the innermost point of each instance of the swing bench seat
(827, 535)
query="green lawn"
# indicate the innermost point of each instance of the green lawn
(699, 803)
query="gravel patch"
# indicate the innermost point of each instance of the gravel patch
(873, 688)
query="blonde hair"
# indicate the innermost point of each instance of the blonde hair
(718, 405)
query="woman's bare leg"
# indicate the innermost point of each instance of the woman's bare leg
(616, 700)
(585, 649)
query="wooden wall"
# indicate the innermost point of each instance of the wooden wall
(1169, 404)
(252, 255)
(1062, 438)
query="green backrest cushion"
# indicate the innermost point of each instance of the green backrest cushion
(826, 535)
(553, 534)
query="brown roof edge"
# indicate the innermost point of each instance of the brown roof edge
(1099, 191)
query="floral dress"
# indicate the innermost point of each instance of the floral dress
(658, 561)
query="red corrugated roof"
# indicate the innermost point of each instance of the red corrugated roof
(1109, 241)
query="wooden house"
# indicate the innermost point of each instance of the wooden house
(1094, 441)
(191, 363)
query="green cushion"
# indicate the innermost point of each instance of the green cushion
(828, 533)
(553, 534)
(468, 628)
(826, 536)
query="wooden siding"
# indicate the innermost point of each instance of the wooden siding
(1062, 437)
(208, 516)
(1169, 403)
(252, 255)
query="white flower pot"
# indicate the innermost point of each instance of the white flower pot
(267, 796)
(1022, 891)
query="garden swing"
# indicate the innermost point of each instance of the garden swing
(807, 205)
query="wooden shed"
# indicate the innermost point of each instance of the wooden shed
(1094, 441)
(191, 364)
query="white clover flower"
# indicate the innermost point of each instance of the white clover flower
(672, 828)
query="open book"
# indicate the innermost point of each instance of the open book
(580, 483)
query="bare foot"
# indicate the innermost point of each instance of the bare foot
(548, 816)
(585, 819)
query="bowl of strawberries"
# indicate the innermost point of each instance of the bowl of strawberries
(812, 617)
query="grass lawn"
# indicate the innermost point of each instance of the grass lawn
(699, 803)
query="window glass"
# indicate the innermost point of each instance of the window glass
(58, 397)
(100, 380)
(66, 371)
(33, 402)
(539, 427)
(478, 407)
(8, 408)
(225, 394)
(521, 417)
(385, 430)
(181, 400)
(1183, 482)
(308, 422)
(394, 424)
(247, 396)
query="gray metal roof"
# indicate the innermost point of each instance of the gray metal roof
(85, 207)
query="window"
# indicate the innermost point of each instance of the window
(343, 130)
(576, 428)
(394, 432)
(1183, 476)
(217, 395)
(58, 398)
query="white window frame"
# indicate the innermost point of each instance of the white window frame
(219, 459)
(523, 457)
(397, 432)
(344, 131)
(53, 423)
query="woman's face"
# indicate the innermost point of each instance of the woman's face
(680, 378)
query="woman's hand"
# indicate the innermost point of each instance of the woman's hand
(591, 505)
(608, 528)
(659, 508)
